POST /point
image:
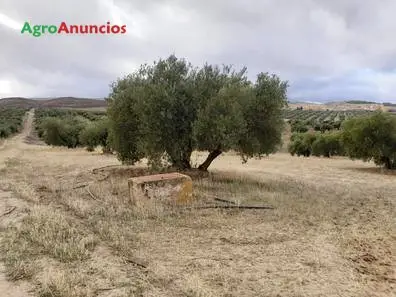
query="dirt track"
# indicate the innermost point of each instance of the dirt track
(11, 148)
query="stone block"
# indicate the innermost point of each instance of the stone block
(170, 188)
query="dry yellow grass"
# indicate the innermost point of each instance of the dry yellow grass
(332, 232)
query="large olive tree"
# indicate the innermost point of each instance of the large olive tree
(166, 110)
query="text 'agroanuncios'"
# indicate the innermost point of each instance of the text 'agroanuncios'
(65, 29)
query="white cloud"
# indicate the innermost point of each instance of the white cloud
(5, 88)
(14, 88)
(326, 49)
(9, 22)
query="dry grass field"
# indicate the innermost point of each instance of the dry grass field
(68, 230)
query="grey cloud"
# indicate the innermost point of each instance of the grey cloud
(320, 46)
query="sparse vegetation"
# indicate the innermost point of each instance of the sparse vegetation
(70, 244)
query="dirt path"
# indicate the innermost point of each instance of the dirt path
(14, 146)
(10, 206)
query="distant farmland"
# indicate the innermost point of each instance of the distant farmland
(60, 102)
(319, 116)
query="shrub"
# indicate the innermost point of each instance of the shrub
(299, 127)
(62, 132)
(301, 144)
(11, 121)
(95, 134)
(371, 138)
(4, 132)
(327, 145)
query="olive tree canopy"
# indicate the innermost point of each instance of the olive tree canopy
(166, 110)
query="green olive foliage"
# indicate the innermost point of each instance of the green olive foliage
(166, 110)
(371, 138)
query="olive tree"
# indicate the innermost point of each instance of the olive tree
(328, 144)
(371, 138)
(301, 143)
(166, 110)
(95, 134)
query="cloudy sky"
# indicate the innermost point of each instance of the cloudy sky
(326, 49)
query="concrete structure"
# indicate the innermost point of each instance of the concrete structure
(171, 188)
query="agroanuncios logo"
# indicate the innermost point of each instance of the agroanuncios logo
(63, 28)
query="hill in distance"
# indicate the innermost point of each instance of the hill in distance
(338, 105)
(361, 102)
(58, 102)
(336, 102)
(304, 102)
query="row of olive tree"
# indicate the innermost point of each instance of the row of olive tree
(74, 131)
(317, 144)
(304, 126)
(61, 131)
(96, 134)
(165, 111)
(11, 121)
(369, 138)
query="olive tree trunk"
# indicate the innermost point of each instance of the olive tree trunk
(212, 155)
(388, 163)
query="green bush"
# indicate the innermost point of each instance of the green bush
(371, 138)
(62, 127)
(324, 126)
(327, 145)
(4, 132)
(11, 120)
(299, 127)
(95, 134)
(62, 132)
(301, 144)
